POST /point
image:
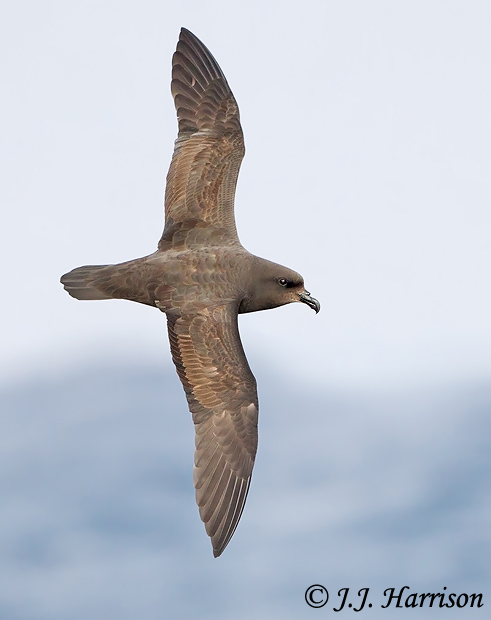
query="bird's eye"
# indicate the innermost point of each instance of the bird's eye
(283, 281)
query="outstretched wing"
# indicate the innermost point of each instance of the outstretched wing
(221, 392)
(210, 146)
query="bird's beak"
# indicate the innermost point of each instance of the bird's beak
(306, 298)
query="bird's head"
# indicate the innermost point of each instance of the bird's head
(272, 285)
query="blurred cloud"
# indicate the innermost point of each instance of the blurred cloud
(357, 490)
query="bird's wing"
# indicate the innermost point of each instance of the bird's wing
(210, 145)
(221, 392)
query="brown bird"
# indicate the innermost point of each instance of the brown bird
(202, 278)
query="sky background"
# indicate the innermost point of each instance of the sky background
(368, 137)
(367, 170)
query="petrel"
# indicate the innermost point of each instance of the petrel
(201, 277)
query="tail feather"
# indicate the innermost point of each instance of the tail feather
(82, 283)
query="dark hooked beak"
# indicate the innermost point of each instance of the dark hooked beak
(306, 298)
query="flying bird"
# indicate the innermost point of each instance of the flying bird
(201, 277)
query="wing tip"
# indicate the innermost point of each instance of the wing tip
(220, 542)
(185, 34)
(217, 552)
(192, 48)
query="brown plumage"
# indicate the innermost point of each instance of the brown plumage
(202, 278)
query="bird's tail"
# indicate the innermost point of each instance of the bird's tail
(88, 282)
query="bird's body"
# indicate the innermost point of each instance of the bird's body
(202, 278)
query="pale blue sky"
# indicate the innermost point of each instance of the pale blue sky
(367, 130)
